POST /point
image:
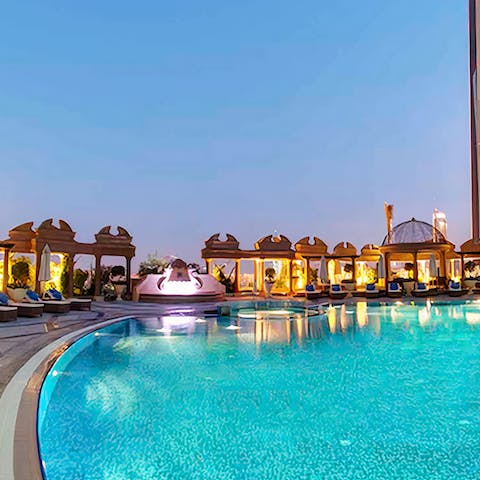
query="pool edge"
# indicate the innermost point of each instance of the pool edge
(19, 453)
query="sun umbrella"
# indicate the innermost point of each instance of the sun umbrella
(381, 267)
(433, 266)
(323, 270)
(44, 272)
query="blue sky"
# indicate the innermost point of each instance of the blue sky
(181, 119)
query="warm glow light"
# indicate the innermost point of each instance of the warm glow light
(332, 319)
(344, 322)
(423, 316)
(331, 270)
(259, 314)
(473, 318)
(362, 318)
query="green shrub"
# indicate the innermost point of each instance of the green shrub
(20, 277)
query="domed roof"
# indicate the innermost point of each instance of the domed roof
(414, 231)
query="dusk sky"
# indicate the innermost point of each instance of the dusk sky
(180, 119)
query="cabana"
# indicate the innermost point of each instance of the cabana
(309, 251)
(364, 272)
(270, 251)
(292, 265)
(24, 239)
(413, 243)
(343, 254)
(470, 262)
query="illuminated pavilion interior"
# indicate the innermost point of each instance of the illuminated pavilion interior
(25, 240)
(415, 242)
(295, 265)
(408, 251)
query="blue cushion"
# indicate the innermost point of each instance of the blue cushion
(421, 286)
(55, 294)
(455, 285)
(394, 286)
(336, 288)
(310, 288)
(3, 299)
(33, 295)
(371, 287)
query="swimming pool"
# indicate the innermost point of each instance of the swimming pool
(359, 392)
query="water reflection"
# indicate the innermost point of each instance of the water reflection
(283, 326)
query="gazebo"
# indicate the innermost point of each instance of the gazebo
(343, 252)
(277, 249)
(292, 264)
(61, 240)
(415, 242)
(470, 252)
(369, 254)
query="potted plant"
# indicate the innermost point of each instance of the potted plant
(348, 282)
(470, 279)
(227, 281)
(409, 282)
(118, 280)
(270, 279)
(20, 280)
(153, 265)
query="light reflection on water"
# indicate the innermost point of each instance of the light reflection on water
(356, 392)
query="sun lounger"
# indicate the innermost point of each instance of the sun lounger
(455, 289)
(312, 293)
(25, 309)
(75, 303)
(337, 293)
(80, 303)
(394, 290)
(476, 288)
(22, 309)
(422, 290)
(371, 291)
(7, 314)
(49, 306)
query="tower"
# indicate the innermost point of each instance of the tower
(474, 23)
(439, 222)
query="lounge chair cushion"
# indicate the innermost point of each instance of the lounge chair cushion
(370, 287)
(310, 288)
(394, 287)
(3, 300)
(33, 296)
(55, 294)
(421, 286)
(336, 288)
(454, 285)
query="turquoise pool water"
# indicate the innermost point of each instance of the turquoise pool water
(358, 392)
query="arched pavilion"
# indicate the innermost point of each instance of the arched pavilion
(415, 242)
(25, 239)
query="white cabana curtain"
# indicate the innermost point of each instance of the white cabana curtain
(381, 267)
(44, 273)
(323, 271)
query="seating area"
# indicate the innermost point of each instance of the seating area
(394, 289)
(33, 305)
